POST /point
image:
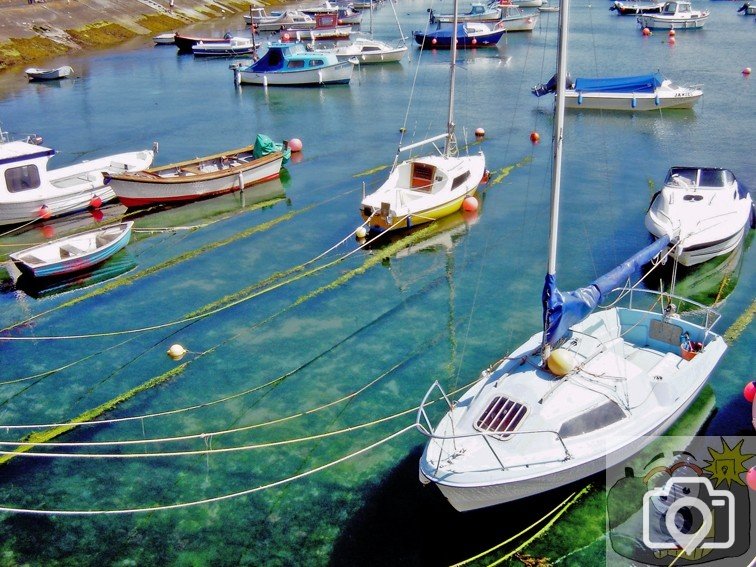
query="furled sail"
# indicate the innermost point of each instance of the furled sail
(561, 310)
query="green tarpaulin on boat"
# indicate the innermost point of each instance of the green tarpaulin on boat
(265, 146)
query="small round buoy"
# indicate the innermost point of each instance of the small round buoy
(535, 137)
(434, 41)
(286, 37)
(474, 41)
(176, 352)
(646, 32)
(561, 362)
(295, 145)
(470, 204)
(751, 478)
(747, 71)
(749, 392)
(95, 202)
(671, 33)
(480, 132)
(44, 212)
(672, 41)
(48, 231)
(361, 232)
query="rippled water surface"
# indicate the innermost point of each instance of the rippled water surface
(308, 356)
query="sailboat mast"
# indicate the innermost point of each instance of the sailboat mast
(450, 146)
(556, 174)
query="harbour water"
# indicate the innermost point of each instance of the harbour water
(284, 436)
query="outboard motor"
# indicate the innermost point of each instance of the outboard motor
(550, 86)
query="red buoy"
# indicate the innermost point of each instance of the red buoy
(44, 212)
(434, 41)
(646, 32)
(749, 392)
(480, 132)
(95, 202)
(470, 204)
(535, 137)
(751, 478)
(747, 71)
(474, 41)
(671, 33)
(295, 144)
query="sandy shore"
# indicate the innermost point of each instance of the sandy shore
(30, 33)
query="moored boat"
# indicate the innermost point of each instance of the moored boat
(234, 46)
(326, 27)
(184, 43)
(636, 7)
(468, 35)
(279, 21)
(368, 51)
(203, 177)
(422, 189)
(29, 191)
(513, 18)
(704, 210)
(594, 387)
(675, 15)
(291, 64)
(635, 93)
(479, 12)
(168, 38)
(38, 74)
(72, 254)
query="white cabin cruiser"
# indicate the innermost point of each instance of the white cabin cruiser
(29, 191)
(704, 210)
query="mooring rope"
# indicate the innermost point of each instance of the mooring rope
(212, 499)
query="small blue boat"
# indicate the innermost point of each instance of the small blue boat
(72, 254)
(469, 35)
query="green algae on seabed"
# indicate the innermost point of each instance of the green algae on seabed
(740, 324)
(101, 34)
(25, 49)
(41, 437)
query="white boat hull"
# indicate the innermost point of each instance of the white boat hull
(660, 22)
(335, 74)
(68, 189)
(640, 102)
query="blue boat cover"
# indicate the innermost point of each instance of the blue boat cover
(636, 84)
(561, 310)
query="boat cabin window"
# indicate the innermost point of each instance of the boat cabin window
(295, 64)
(316, 63)
(687, 174)
(22, 178)
(422, 176)
(712, 178)
(593, 419)
(460, 179)
(502, 415)
(670, 8)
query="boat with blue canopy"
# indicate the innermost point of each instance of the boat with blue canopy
(632, 93)
(292, 64)
(593, 387)
(468, 35)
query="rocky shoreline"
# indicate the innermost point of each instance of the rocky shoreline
(31, 32)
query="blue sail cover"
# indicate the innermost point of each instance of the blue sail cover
(636, 84)
(561, 310)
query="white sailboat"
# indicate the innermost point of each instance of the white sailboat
(425, 188)
(589, 391)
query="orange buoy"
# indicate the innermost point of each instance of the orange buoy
(44, 212)
(474, 41)
(295, 144)
(286, 37)
(470, 204)
(480, 132)
(747, 71)
(646, 32)
(434, 41)
(535, 137)
(671, 33)
(95, 202)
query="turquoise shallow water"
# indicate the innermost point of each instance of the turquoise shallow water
(330, 361)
